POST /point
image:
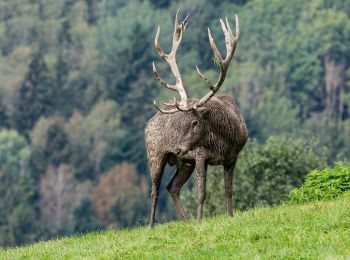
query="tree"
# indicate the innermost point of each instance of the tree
(118, 199)
(161, 3)
(59, 196)
(95, 139)
(4, 119)
(18, 218)
(36, 95)
(49, 144)
(85, 217)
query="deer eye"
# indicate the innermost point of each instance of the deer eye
(194, 123)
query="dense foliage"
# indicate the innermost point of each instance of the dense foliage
(324, 184)
(76, 91)
(265, 175)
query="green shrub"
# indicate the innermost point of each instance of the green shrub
(323, 185)
(265, 174)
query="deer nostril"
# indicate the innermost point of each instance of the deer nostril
(177, 150)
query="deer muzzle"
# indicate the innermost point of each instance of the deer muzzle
(181, 150)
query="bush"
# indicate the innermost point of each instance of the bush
(323, 185)
(265, 174)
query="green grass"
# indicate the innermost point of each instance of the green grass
(313, 231)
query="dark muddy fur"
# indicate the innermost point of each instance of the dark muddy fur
(210, 135)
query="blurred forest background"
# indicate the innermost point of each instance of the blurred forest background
(76, 90)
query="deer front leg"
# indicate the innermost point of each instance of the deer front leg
(201, 168)
(177, 181)
(156, 168)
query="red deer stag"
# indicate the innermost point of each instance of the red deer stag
(193, 133)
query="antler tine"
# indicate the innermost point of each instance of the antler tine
(171, 59)
(205, 79)
(170, 103)
(231, 43)
(178, 31)
(171, 111)
(157, 44)
(185, 22)
(215, 49)
(228, 40)
(237, 28)
(228, 27)
(161, 81)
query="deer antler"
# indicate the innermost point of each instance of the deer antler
(171, 60)
(231, 43)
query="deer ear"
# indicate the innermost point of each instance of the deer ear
(202, 112)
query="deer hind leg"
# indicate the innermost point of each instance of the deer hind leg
(228, 172)
(180, 177)
(156, 167)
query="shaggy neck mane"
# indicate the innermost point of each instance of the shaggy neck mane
(222, 124)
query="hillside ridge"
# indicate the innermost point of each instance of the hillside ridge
(315, 230)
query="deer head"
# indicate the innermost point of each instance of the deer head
(184, 105)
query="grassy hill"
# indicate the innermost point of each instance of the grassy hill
(316, 230)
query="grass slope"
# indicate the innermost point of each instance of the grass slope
(317, 230)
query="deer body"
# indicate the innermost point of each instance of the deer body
(192, 133)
